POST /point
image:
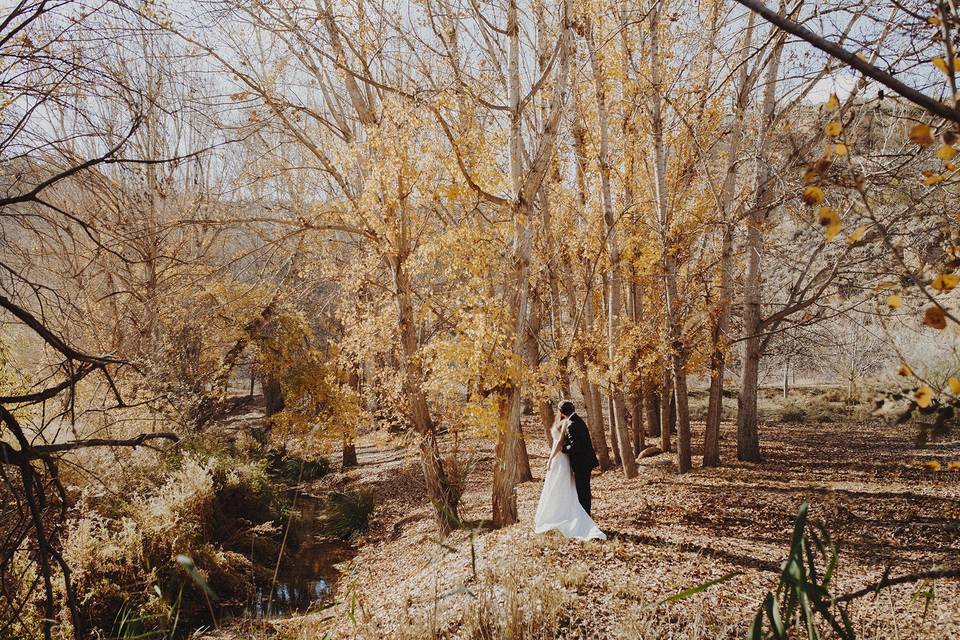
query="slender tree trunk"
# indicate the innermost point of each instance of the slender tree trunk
(595, 424)
(676, 349)
(711, 435)
(711, 444)
(666, 404)
(524, 474)
(786, 378)
(748, 439)
(748, 435)
(437, 485)
(543, 405)
(673, 412)
(617, 456)
(651, 406)
(636, 422)
(547, 416)
(684, 463)
(618, 415)
(525, 186)
(634, 292)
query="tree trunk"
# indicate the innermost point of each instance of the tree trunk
(272, 394)
(525, 185)
(711, 435)
(595, 424)
(721, 315)
(435, 477)
(748, 435)
(438, 487)
(786, 378)
(748, 440)
(676, 350)
(524, 474)
(615, 446)
(618, 415)
(666, 411)
(683, 413)
(651, 406)
(636, 421)
(349, 454)
(673, 411)
(547, 416)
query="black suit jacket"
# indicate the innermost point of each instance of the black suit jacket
(578, 445)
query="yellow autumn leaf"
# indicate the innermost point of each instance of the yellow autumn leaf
(856, 235)
(813, 195)
(923, 396)
(945, 282)
(931, 178)
(921, 134)
(827, 216)
(954, 385)
(941, 64)
(840, 149)
(935, 21)
(933, 465)
(894, 301)
(831, 231)
(946, 153)
(832, 103)
(904, 371)
(954, 465)
(834, 128)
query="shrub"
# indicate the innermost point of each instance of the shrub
(458, 468)
(122, 553)
(287, 468)
(574, 576)
(536, 610)
(348, 513)
(793, 414)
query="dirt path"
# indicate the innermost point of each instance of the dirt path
(667, 532)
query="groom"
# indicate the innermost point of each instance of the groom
(578, 446)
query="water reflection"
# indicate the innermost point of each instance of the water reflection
(308, 574)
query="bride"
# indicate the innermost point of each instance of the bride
(559, 508)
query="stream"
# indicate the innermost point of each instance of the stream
(308, 575)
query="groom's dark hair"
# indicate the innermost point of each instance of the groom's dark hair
(567, 408)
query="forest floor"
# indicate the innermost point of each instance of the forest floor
(666, 532)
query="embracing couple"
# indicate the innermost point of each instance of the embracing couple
(565, 500)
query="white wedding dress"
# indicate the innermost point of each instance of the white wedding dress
(559, 507)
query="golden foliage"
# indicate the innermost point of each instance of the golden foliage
(921, 134)
(813, 195)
